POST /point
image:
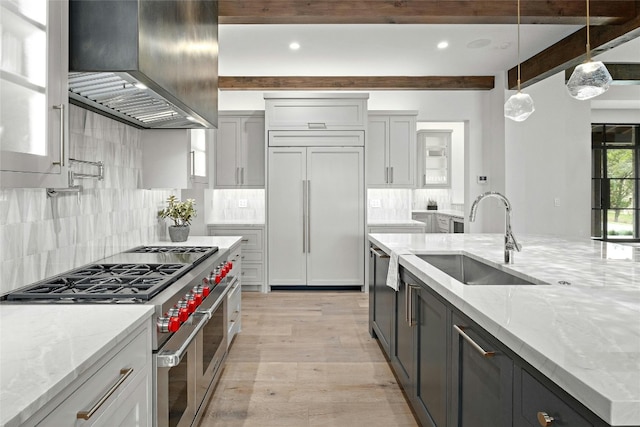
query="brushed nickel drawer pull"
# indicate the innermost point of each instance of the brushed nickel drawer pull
(85, 415)
(460, 330)
(62, 154)
(378, 253)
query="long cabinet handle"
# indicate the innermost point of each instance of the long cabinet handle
(409, 315)
(85, 415)
(475, 345)
(304, 216)
(62, 155)
(391, 179)
(193, 164)
(308, 216)
(386, 175)
(242, 175)
(378, 253)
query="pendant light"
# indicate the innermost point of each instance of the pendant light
(591, 78)
(519, 106)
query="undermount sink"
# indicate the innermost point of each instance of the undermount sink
(471, 271)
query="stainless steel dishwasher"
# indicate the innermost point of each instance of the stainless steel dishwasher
(381, 298)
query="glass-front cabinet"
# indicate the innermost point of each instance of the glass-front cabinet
(34, 101)
(434, 158)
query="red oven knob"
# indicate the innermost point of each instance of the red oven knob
(197, 295)
(218, 277)
(206, 290)
(168, 324)
(183, 310)
(191, 302)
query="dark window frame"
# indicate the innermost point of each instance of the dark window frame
(600, 202)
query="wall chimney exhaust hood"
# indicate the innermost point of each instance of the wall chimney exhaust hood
(152, 64)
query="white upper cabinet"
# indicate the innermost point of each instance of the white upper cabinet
(239, 150)
(317, 113)
(34, 101)
(391, 142)
(175, 158)
(434, 158)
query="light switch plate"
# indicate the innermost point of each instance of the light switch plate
(242, 203)
(374, 203)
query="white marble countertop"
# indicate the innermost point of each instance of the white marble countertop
(584, 336)
(449, 212)
(44, 348)
(238, 222)
(395, 222)
(222, 242)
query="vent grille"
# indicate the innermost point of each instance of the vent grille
(120, 95)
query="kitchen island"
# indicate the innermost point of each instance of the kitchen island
(579, 325)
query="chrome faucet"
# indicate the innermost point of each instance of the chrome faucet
(510, 243)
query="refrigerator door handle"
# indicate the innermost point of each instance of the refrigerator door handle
(304, 216)
(308, 216)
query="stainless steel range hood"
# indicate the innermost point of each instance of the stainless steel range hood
(151, 63)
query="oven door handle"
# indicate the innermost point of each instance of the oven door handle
(173, 358)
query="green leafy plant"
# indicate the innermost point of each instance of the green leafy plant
(181, 213)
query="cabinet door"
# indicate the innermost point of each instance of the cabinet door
(287, 253)
(402, 136)
(432, 359)
(482, 379)
(434, 158)
(200, 141)
(403, 349)
(227, 171)
(377, 151)
(252, 172)
(34, 101)
(335, 196)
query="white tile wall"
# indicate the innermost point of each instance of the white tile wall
(388, 204)
(226, 207)
(41, 236)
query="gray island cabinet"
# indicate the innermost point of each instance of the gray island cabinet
(453, 371)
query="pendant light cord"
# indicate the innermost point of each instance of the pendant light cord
(518, 46)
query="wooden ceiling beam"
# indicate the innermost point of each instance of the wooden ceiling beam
(622, 74)
(356, 83)
(571, 51)
(566, 12)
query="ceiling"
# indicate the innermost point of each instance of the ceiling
(379, 49)
(380, 39)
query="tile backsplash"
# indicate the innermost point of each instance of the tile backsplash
(42, 236)
(243, 205)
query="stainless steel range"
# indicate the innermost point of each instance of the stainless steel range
(187, 285)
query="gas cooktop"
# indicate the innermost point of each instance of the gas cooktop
(134, 276)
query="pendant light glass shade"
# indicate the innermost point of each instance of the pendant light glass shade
(518, 107)
(589, 80)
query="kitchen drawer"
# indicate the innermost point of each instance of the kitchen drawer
(316, 114)
(251, 237)
(251, 256)
(443, 223)
(234, 300)
(135, 356)
(252, 273)
(533, 398)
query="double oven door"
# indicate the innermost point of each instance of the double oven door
(187, 366)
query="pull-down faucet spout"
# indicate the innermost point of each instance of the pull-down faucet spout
(510, 243)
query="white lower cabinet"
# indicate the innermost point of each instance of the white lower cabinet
(252, 252)
(234, 296)
(115, 392)
(315, 216)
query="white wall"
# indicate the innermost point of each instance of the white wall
(548, 157)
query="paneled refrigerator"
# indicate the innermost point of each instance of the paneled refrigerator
(315, 216)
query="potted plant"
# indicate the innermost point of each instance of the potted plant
(181, 213)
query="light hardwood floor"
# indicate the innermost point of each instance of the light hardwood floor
(306, 359)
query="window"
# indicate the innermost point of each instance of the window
(615, 204)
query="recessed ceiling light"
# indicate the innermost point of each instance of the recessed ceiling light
(443, 45)
(294, 46)
(476, 44)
